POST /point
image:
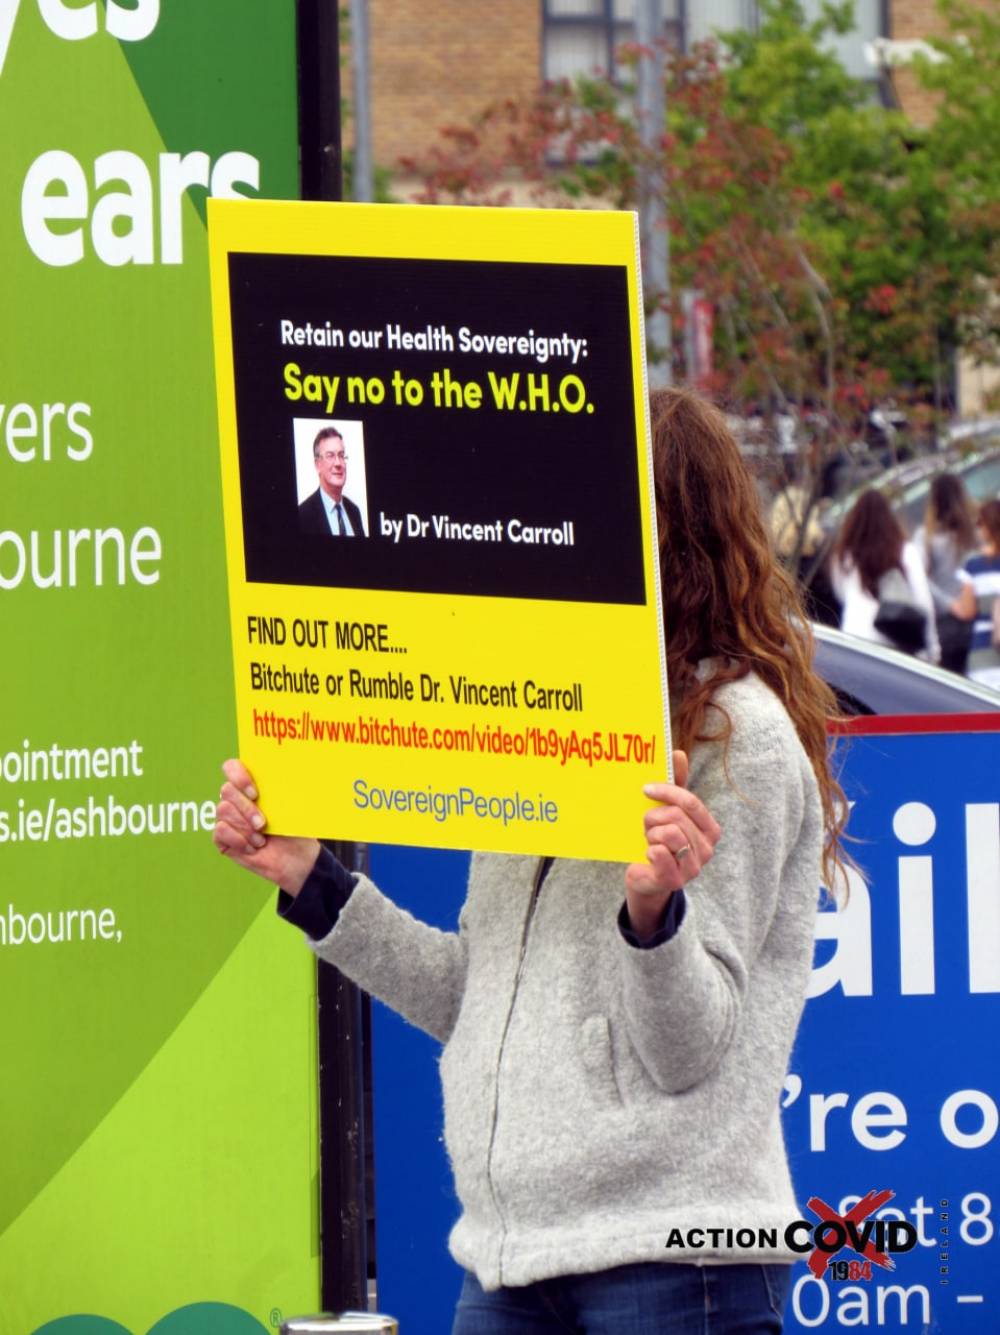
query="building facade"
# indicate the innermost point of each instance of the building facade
(438, 63)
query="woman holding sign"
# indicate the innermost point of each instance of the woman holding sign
(615, 1044)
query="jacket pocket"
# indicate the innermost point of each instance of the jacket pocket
(598, 1059)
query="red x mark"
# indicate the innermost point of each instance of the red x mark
(819, 1260)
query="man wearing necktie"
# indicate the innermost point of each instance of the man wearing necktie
(328, 511)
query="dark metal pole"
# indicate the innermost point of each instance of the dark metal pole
(342, 1121)
(343, 1132)
(320, 151)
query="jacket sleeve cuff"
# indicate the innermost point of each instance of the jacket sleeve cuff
(316, 908)
(673, 916)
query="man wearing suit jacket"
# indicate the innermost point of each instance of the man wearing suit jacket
(328, 511)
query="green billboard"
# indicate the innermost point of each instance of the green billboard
(157, 1107)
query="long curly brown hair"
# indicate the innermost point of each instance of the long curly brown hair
(725, 596)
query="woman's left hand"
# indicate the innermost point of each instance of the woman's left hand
(681, 835)
(964, 606)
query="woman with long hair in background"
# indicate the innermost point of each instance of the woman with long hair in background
(872, 563)
(616, 1037)
(977, 602)
(944, 540)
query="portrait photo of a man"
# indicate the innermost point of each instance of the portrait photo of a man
(327, 510)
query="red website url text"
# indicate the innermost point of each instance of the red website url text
(599, 747)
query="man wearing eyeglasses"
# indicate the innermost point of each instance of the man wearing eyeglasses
(328, 511)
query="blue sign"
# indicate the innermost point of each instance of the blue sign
(894, 1083)
(415, 1202)
(895, 1078)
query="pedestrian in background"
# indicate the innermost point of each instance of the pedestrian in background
(980, 595)
(876, 572)
(799, 543)
(944, 540)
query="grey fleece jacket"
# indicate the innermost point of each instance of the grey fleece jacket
(598, 1096)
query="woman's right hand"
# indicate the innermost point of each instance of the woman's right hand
(239, 834)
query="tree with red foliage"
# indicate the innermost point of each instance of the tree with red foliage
(820, 225)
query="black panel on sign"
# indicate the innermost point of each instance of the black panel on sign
(546, 464)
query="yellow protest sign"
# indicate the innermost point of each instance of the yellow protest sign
(442, 560)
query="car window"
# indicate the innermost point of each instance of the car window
(983, 481)
(894, 483)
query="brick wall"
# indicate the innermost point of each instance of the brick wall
(438, 62)
(915, 19)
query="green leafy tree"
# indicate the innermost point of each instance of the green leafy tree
(963, 153)
(846, 252)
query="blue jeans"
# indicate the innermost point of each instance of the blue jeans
(650, 1298)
